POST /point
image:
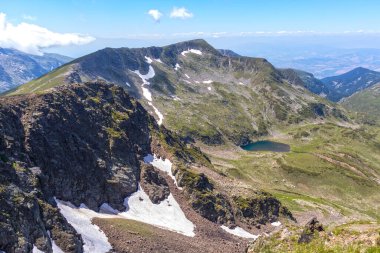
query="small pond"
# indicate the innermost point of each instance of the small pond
(266, 146)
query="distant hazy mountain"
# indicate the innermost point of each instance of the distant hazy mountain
(17, 67)
(353, 81)
(321, 61)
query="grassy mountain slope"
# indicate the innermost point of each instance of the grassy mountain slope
(202, 94)
(366, 102)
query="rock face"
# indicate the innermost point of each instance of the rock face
(154, 185)
(260, 208)
(81, 144)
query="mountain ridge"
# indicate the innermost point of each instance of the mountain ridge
(350, 82)
(193, 73)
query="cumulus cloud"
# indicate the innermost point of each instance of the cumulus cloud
(32, 38)
(155, 14)
(182, 13)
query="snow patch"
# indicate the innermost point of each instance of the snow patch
(187, 76)
(196, 81)
(35, 250)
(167, 214)
(148, 60)
(207, 82)
(276, 224)
(158, 60)
(147, 76)
(146, 93)
(194, 51)
(177, 67)
(161, 164)
(187, 81)
(54, 246)
(209, 88)
(238, 231)
(57, 249)
(95, 241)
(241, 83)
(158, 113)
(127, 84)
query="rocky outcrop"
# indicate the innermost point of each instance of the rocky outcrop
(154, 185)
(207, 201)
(259, 208)
(81, 144)
(311, 228)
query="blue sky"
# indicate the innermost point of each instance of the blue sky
(119, 22)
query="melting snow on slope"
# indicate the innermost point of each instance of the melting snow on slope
(276, 224)
(167, 214)
(207, 82)
(194, 51)
(163, 165)
(158, 113)
(147, 76)
(148, 60)
(95, 241)
(238, 231)
(146, 93)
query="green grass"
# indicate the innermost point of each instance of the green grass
(303, 181)
(366, 101)
(342, 239)
(129, 226)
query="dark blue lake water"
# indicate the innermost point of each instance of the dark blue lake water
(267, 146)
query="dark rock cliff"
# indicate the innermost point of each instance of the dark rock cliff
(82, 144)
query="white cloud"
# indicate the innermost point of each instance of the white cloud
(32, 38)
(29, 17)
(182, 13)
(155, 14)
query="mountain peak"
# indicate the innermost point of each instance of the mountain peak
(350, 82)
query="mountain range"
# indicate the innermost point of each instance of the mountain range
(17, 67)
(221, 98)
(140, 150)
